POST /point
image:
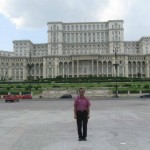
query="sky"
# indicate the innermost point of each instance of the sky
(27, 19)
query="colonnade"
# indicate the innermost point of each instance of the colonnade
(76, 67)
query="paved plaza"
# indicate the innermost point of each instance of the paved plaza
(115, 124)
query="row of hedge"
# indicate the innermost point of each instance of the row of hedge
(114, 91)
(89, 79)
(13, 92)
(131, 91)
(23, 88)
(59, 85)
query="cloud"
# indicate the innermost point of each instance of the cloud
(115, 9)
(11, 10)
(33, 13)
(137, 23)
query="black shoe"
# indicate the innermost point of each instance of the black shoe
(84, 139)
(80, 139)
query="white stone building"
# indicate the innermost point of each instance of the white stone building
(6, 53)
(79, 49)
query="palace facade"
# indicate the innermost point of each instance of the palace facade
(77, 50)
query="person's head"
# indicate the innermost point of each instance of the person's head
(81, 91)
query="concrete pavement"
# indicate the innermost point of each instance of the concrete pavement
(49, 125)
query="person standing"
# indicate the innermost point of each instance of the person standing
(82, 114)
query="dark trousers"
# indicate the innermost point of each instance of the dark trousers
(82, 121)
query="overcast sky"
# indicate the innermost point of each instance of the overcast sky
(27, 19)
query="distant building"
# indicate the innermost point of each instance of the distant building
(78, 49)
(6, 53)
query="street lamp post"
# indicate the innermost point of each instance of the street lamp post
(115, 50)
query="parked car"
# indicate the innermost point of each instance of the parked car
(18, 96)
(26, 96)
(66, 96)
(11, 98)
(145, 96)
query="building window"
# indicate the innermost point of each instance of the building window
(97, 27)
(93, 27)
(80, 27)
(72, 27)
(76, 27)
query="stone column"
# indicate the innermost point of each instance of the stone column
(58, 72)
(123, 67)
(39, 70)
(136, 70)
(102, 68)
(68, 70)
(24, 70)
(97, 69)
(92, 67)
(141, 69)
(118, 69)
(72, 68)
(15, 72)
(77, 68)
(113, 69)
(123, 70)
(9, 71)
(52, 70)
(35, 71)
(112, 66)
(107, 70)
(132, 69)
(56, 67)
(44, 68)
(63, 69)
(126, 74)
(19, 72)
(147, 70)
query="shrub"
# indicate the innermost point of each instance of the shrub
(25, 92)
(14, 93)
(8, 88)
(109, 85)
(127, 85)
(3, 92)
(28, 87)
(122, 91)
(134, 91)
(138, 85)
(146, 91)
(146, 86)
(18, 86)
(56, 86)
(37, 87)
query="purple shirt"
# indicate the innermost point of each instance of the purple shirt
(81, 103)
